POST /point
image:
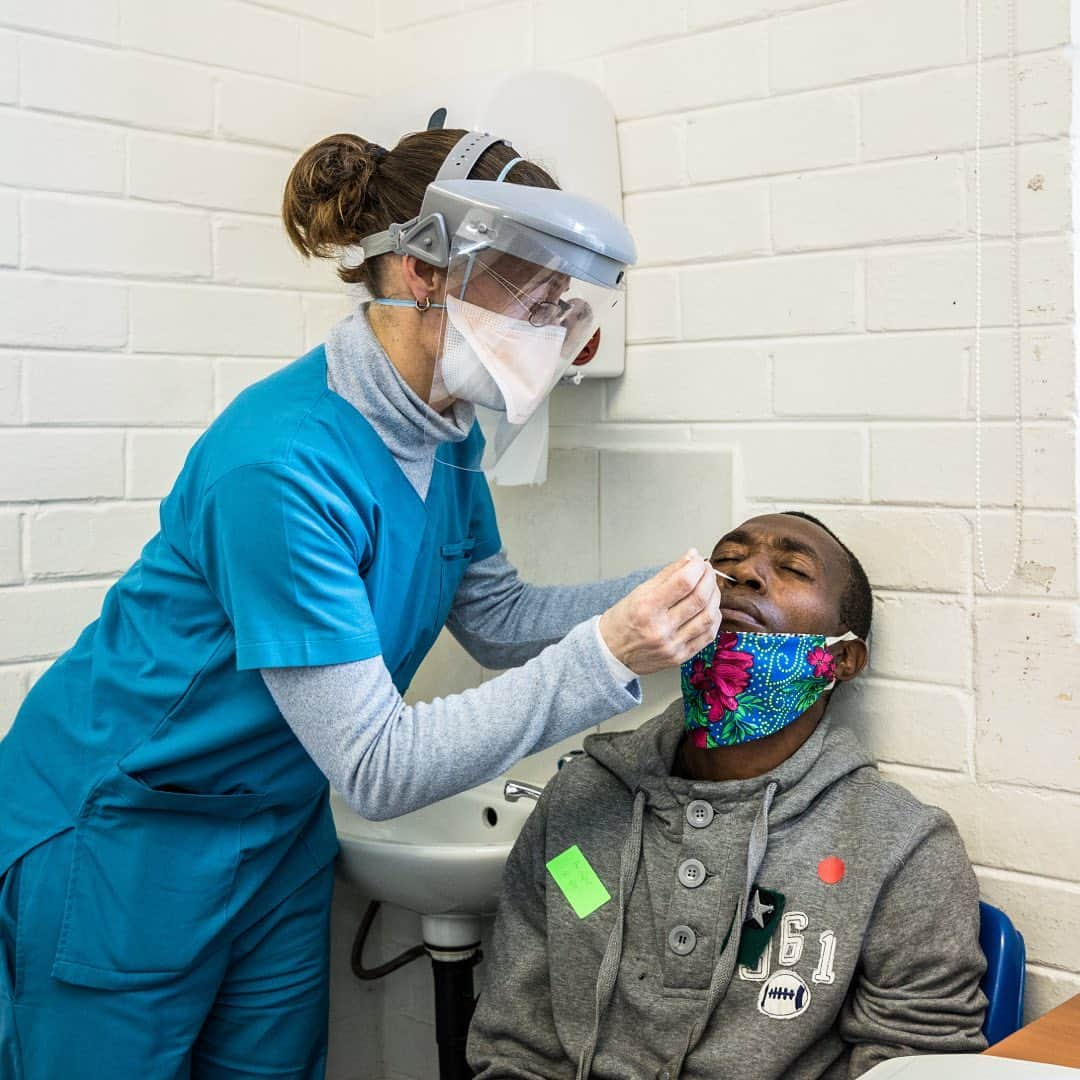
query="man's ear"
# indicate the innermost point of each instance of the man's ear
(851, 657)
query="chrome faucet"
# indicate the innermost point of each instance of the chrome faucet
(513, 790)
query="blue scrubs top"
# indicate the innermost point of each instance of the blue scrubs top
(290, 538)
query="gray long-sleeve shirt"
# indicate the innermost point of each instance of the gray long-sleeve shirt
(387, 758)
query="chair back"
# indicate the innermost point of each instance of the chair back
(1003, 983)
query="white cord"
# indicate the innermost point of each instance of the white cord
(1014, 284)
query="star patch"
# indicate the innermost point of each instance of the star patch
(760, 911)
(762, 918)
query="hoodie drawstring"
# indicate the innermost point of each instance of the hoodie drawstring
(609, 965)
(725, 966)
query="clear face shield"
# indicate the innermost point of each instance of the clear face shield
(519, 311)
(529, 273)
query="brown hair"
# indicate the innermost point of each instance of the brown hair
(345, 188)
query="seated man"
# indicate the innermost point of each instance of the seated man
(732, 890)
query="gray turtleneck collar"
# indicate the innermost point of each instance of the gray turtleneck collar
(358, 370)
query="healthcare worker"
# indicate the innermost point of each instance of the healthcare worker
(165, 838)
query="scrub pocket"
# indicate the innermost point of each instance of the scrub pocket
(455, 561)
(150, 884)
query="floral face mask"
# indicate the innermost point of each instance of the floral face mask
(746, 686)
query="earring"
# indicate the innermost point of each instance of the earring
(424, 305)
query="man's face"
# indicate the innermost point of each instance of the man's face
(789, 577)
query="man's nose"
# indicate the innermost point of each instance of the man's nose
(750, 573)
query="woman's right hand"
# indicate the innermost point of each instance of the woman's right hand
(666, 619)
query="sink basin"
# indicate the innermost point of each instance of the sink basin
(446, 859)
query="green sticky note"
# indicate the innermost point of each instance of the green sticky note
(583, 890)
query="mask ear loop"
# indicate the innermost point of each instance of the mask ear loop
(849, 636)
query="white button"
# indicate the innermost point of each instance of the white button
(691, 873)
(699, 813)
(682, 940)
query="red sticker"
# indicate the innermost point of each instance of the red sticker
(831, 870)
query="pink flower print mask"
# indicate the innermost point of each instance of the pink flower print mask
(747, 686)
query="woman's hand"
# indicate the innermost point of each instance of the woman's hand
(667, 619)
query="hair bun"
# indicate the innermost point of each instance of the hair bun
(328, 198)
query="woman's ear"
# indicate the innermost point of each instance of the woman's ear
(421, 279)
(851, 657)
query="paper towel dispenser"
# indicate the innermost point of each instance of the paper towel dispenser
(563, 123)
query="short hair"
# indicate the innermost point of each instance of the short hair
(856, 599)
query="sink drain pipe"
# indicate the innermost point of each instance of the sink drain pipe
(453, 943)
(454, 1004)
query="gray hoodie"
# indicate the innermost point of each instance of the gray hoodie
(854, 907)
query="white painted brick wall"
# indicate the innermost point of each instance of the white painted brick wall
(133, 88)
(696, 71)
(930, 287)
(88, 540)
(772, 297)
(932, 111)
(279, 114)
(62, 313)
(201, 172)
(807, 131)
(44, 465)
(203, 319)
(39, 621)
(880, 376)
(699, 224)
(223, 33)
(862, 38)
(114, 237)
(925, 199)
(10, 547)
(154, 458)
(10, 407)
(9, 228)
(799, 174)
(111, 389)
(9, 67)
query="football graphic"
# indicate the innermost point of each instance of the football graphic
(784, 996)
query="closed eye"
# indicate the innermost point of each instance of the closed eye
(797, 572)
(727, 556)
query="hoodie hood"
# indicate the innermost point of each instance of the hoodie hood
(642, 761)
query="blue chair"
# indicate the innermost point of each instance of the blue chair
(1003, 983)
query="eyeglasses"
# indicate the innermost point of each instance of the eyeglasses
(546, 312)
(540, 312)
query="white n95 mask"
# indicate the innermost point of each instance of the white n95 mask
(500, 362)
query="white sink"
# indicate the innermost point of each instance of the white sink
(446, 859)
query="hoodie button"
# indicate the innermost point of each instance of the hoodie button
(682, 940)
(691, 873)
(699, 813)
